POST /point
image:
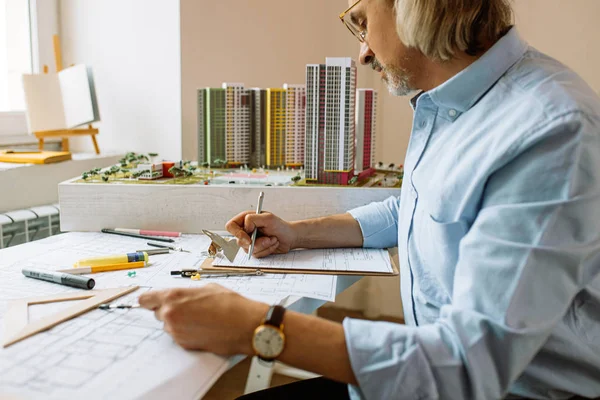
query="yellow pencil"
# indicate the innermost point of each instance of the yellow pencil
(104, 268)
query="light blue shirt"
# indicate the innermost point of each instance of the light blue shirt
(498, 232)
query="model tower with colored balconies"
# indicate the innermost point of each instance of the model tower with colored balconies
(366, 111)
(295, 125)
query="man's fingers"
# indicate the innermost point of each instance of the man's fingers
(235, 227)
(158, 298)
(253, 220)
(151, 300)
(263, 242)
(267, 250)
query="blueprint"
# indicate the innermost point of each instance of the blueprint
(324, 260)
(114, 354)
(62, 251)
(119, 353)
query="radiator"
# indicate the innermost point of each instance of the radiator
(22, 226)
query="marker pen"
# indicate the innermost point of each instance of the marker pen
(76, 281)
(111, 260)
(148, 233)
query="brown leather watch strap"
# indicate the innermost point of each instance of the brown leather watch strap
(275, 316)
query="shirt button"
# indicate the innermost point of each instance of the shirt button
(422, 124)
(452, 113)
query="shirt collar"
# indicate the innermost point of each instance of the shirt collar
(462, 91)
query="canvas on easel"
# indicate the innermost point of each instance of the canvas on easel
(57, 103)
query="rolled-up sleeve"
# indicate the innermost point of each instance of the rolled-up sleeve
(533, 246)
(378, 222)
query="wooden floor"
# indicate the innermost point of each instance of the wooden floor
(231, 385)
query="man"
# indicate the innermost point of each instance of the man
(498, 225)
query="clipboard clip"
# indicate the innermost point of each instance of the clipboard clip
(228, 247)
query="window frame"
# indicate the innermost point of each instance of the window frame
(44, 24)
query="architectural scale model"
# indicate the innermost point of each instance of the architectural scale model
(144, 169)
(322, 132)
(326, 125)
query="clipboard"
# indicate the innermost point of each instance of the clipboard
(393, 253)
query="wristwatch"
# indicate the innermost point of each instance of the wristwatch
(268, 340)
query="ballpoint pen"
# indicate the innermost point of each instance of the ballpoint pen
(197, 274)
(167, 246)
(115, 306)
(153, 252)
(261, 196)
(135, 235)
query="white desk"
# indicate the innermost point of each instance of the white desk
(144, 355)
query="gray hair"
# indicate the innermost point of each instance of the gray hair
(440, 28)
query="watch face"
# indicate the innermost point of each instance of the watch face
(268, 341)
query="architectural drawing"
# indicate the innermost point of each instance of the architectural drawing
(92, 357)
(335, 260)
(119, 353)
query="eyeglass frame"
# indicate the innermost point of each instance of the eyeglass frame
(360, 35)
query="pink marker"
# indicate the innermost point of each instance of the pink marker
(148, 233)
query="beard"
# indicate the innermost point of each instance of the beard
(396, 78)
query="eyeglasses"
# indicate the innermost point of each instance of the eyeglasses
(358, 31)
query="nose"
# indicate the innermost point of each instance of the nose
(366, 54)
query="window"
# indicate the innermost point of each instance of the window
(15, 53)
(26, 30)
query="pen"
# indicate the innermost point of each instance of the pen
(135, 235)
(167, 246)
(112, 259)
(148, 233)
(103, 268)
(62, 278)
(194, 273)
(258, 211)
(113, 306)
(153, 252)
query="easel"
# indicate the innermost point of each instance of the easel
(65, 133)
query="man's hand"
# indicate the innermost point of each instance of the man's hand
(278, 236)
(210, 318)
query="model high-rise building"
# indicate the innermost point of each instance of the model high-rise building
(276, 124)
(237, 115)
(258, 127)
(211, 125)
(295, 124)
(335, 100)
(201, 134)
(315, 122)
(366, 107)
(340, 102)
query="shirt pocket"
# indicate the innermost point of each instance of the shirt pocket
(438, 243)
